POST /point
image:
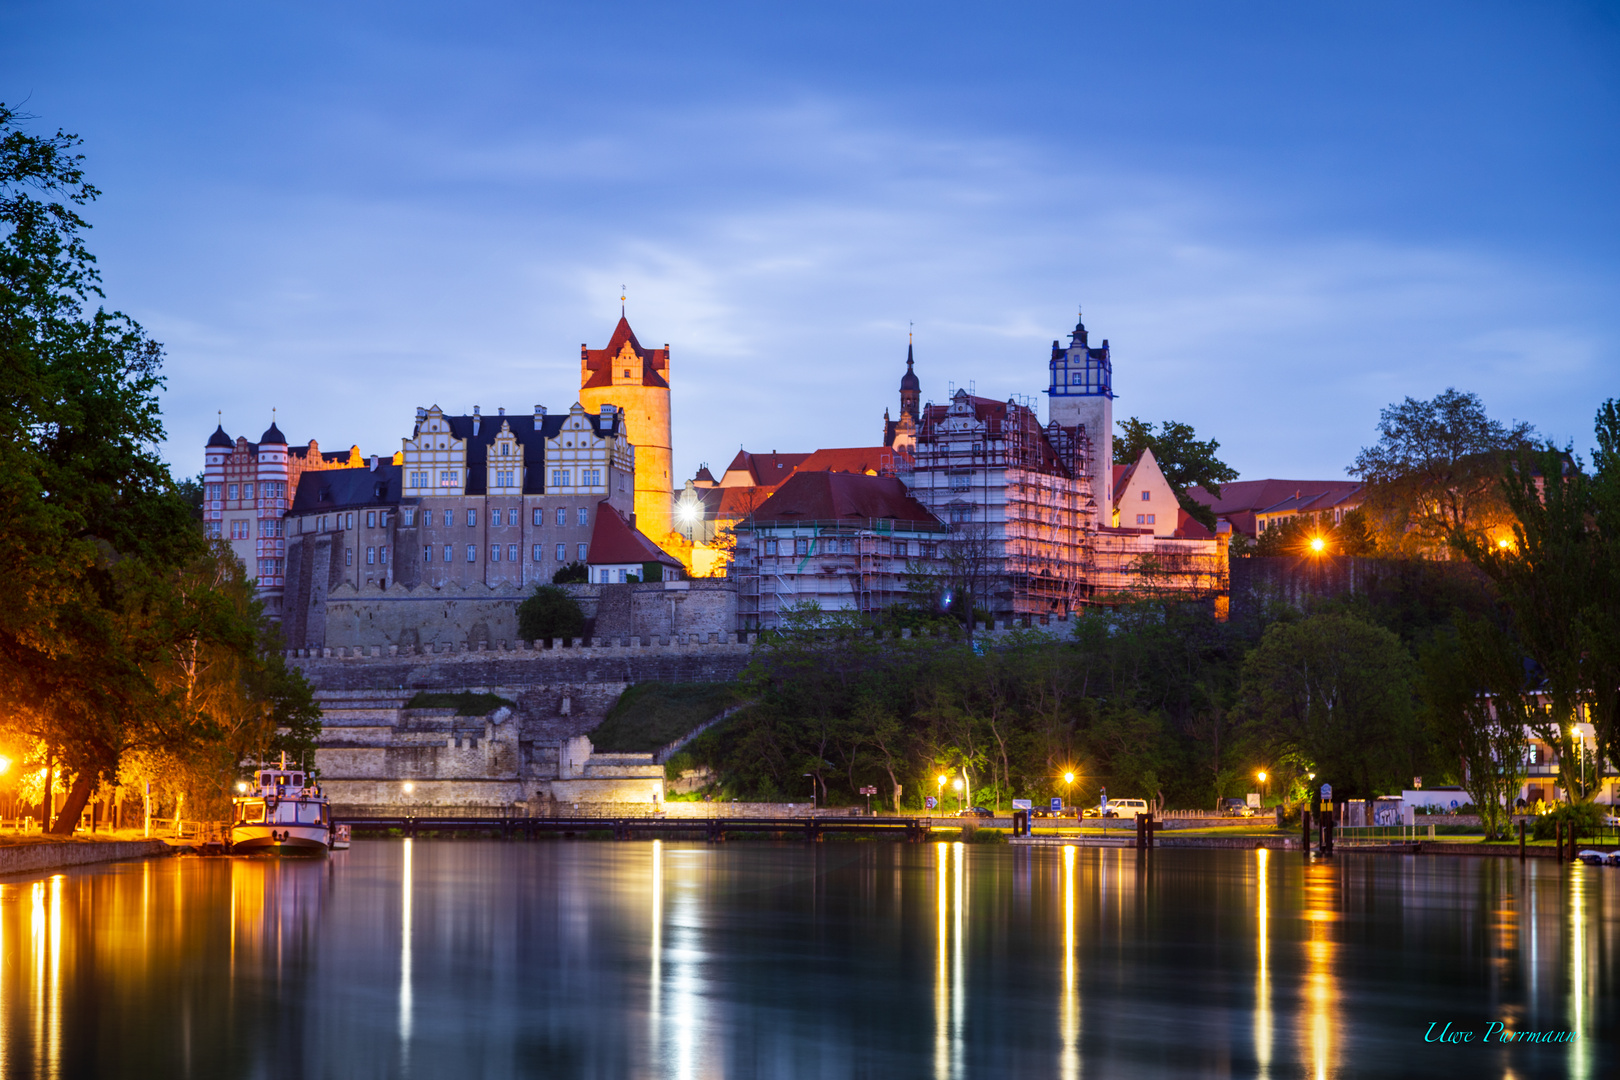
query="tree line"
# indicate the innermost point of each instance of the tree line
(131, 648)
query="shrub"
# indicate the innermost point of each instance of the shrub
(1586, 817)
(575, 573)
(550, 613)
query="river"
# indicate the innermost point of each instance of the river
(556, 958)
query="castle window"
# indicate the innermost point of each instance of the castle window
(449, 553)
(494, 553)
(801, 546)
(348, 556)
(562, 516)
(1150, 519)
(846, 546)
(371, 519)
(472, 552)
(382, 519)
(232, 490)
(427, 553)
(410, 516)
(538, 554)
(562, 552)
(512, 516)
(584, 516)
(559, 477)
(472, 518)
(539, 518)
(770, 547)
(506, 450)
(371, 556)
(350, 525)
(382, 555)
(1141, 519)
(247, 491)
(494, 517)
(447, 477)
(1146, 495)
(511, 553)
(583, 548)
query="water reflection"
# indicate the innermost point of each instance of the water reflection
(752, 959)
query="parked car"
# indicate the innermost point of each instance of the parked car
(1127, 807)
(976, 811)
(1048, 812)
(1236, 808)
(1091, 811)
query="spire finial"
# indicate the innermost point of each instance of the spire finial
(624, 292)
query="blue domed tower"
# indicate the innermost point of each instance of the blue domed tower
(1082, 393)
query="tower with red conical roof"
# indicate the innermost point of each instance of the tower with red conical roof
(637, 381)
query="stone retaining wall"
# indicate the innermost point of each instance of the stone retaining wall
(28, 858)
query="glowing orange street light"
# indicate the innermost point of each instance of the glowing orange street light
(1318, 544)
(1502, 543)
(5, 764)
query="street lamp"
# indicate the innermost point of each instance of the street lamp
(1068, 789)
(957, 785)
(1261, 775)
(812, 778)
(1318, 544)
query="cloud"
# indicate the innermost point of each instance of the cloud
(782, 252)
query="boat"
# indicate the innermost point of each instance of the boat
(284, 814)
(340, 837)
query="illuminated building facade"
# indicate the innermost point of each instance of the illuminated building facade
(636, 381)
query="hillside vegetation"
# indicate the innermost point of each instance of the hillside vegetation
(649, 716)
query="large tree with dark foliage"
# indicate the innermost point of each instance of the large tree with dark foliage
(96, 538)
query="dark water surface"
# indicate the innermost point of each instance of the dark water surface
(470, 959)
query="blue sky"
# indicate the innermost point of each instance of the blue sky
(1283, 216)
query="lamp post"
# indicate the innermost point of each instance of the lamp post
(1068, 792)
(812, 778)
(1261, 776)
(942, 780)
(957, 785)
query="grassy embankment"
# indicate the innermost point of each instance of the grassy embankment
(649, 716)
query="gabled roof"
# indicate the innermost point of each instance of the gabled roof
(704, 476)
(220, 439)
(531, 436)
(599, 363)
(765, 470)
(835, 496)
(614, 541)
(1241, 499)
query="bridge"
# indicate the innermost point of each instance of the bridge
(811, 829)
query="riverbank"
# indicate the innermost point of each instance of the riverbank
(30, 853)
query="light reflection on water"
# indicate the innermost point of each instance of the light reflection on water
(474, 958)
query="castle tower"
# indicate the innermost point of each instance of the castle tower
(910, 389)
(637, 381)
(1082, 393)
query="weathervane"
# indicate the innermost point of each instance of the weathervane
(624, 291)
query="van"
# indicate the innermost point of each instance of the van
(1127, 807)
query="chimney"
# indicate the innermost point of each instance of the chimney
(502, 410)
(539, 413)
(477, 419)
(373, 462)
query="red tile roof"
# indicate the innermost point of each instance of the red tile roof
(1190, 528)
(599, 362)
(873, 460)
(1241, 499)
(766, 470)
(615, 541)
(834, 496)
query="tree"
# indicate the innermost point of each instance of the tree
(1558, 575)
(1337, 691)
(1433, 476)
(1185, 461)
(1474, 692)
(551, 612)
(89, 517)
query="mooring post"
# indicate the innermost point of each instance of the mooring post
(1558, 840)
(1327, 832)
(1572, 838)
(1521, 840)
(1152, 827)
(1305, 840)
(1141, 844)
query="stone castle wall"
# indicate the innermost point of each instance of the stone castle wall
(323, 612)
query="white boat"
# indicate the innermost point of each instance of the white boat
(281, 816)
(340, 837)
